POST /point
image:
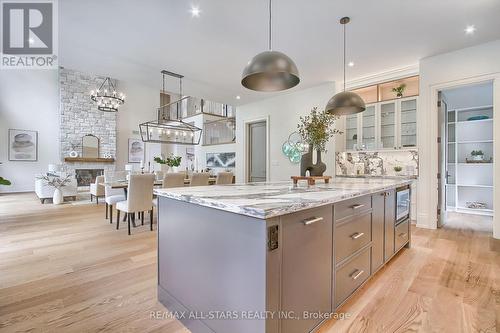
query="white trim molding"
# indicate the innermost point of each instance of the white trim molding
(389, 75)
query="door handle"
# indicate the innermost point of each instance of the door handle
(312, 220)
(357, 235)
(356, 274)
(357, 206)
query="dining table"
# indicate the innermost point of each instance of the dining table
(123, 183)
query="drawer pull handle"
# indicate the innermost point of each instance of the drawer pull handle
(403, 234)
(357, 273)
(357, 206)
(312, 220)
(357, 235)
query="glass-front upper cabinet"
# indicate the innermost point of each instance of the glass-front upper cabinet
(369, 140)
(351, 132)
(388, 126)
(408, 123)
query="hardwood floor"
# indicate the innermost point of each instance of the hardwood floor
(66, 269)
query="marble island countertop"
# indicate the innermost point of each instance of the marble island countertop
(266, 200)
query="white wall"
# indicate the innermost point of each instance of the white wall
(29, 99)
(283, 112)
(442, 71)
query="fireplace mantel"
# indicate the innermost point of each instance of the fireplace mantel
(89, 160)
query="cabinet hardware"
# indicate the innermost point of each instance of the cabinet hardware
(403, 234)
(388, 194)
(357, 235)
(357, 206)
(357, 273)
(312, 220)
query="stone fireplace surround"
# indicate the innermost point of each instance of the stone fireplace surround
(79, 116)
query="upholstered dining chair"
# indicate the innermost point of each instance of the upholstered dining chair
(199, 179)
(113, 195)
(96, 189)
(173, 179)
(139, 199)
(224, 178)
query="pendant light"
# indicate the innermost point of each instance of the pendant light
(270, 70)
(106, 97)
(346, 102)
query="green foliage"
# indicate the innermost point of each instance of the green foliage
(4, 181)
(477, 153)
(317, 128)
(397, 168)
(171, 160)
(399, 90)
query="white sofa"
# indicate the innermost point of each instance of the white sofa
(44, 191)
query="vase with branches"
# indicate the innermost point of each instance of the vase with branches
(316, 129)
(57, 183)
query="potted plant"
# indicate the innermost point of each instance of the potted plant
(57, 183)
(477, 155)
(171, 161)
(399, 90)
(4, 181)
(316, 129)
(398, 169)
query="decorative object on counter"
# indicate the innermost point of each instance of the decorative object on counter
(171, 161)
(270, 70)
(345, 102)
(490, 160)
(475, 205)
(398, 169)
(399, 90)
(23, 145)
(293, 147)
(108, 155)
(57, 183)
(74, 147)
(106, 97)
(135, 150)
(311, 180)
(221, 160)
(316, 129)
(477, 155)
(170, 129)
(90, 146)
(477, 118)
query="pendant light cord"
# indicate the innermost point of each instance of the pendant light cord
(344, 56)
(270, 25)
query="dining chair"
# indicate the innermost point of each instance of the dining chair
(96, 189)
(224, 178)
(113, 195)
(173, 179)
(139, 199)
(199, 179)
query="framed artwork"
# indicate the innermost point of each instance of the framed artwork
(135, 150)
(221, 160)
(23, 145)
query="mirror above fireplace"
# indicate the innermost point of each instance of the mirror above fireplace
(90, 146)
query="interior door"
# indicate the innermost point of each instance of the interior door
(257, 152)
(442, 160)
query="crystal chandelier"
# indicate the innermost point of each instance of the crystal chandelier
(166, 129)
(106, 97)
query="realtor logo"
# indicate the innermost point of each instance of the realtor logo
(28, 34)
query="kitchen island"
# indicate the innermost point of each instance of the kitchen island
(272, 257)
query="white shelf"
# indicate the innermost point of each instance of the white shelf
(473, 141)
(470, 185)
(475, 108)
(480, 121)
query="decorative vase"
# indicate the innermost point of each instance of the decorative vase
(306, 163)
(58, 198)
(477, 157)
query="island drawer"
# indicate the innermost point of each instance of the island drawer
(352, 207)
(350, 276)
(402, 234)
(351, 235)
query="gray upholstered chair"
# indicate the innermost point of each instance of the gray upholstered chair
(224, 178)
(139, 200)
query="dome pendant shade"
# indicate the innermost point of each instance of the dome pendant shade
(270, 71)
(345, 103)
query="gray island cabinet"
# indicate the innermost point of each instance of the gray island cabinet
(270, 257)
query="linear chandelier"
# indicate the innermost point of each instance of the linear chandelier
(106, 97)
(167, 130)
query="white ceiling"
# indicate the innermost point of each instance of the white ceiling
(134, 40)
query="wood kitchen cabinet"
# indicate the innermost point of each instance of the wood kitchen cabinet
(378, 230)
(389, 221)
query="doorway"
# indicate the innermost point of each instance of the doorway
(256, 151)
(465, 141)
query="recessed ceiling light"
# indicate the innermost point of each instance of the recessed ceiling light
(238, 97)
(350, 64)
(195, 11)
(470, 29)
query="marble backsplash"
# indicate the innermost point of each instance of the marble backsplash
(377, 163)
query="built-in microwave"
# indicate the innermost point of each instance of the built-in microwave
(402, 203)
